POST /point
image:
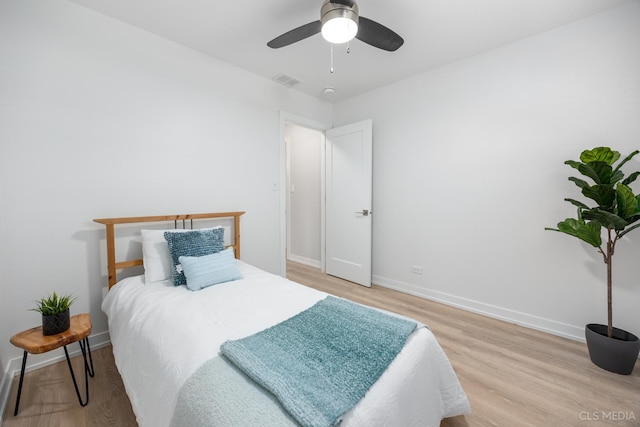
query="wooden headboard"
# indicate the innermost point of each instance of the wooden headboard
(113, 265)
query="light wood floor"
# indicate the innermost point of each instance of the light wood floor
(49, 399)
(513, 376)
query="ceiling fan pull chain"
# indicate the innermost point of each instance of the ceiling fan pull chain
(331, 69)
(349, 47)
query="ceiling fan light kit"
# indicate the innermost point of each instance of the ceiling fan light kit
(339, 22)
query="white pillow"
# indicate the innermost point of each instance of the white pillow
(155, 254)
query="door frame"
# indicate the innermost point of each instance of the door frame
(311, 124)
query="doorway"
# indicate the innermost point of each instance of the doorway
(306, 251)
(305, 182)
(326, 182)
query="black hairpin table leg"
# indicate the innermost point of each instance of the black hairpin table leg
(88, 371)
(84, 346)
(24, 363)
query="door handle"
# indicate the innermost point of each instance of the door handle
(364, 212)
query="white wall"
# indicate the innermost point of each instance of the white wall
(4, 380)
(305, 150)
(468, 170)
(99, 119)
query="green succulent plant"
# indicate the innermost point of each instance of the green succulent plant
(616, 210)
(53, 304)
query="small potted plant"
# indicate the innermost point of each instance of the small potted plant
(55, 313)
(616, 213)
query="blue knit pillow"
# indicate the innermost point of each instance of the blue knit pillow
(192, 243)
(208, 270)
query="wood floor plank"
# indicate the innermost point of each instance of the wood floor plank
(513, 376)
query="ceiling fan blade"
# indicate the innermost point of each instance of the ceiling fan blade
(296, 35)
(348, 3)
(377, 35)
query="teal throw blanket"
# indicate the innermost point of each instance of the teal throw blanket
(322, 361)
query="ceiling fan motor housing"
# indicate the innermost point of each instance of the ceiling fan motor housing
(331, 10)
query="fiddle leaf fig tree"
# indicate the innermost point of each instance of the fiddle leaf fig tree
(614, 214)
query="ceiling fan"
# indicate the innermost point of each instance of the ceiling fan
(339, 23)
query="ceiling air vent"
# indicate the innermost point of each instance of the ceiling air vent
(287, 80)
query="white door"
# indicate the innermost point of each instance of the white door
(348, 202)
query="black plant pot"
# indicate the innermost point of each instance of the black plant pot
(617, 354)
(55, 323)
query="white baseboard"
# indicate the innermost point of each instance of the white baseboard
(34, 362)
(5, 388)
(302, 260)
(500, 313)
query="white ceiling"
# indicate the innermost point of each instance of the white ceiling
(436, 32)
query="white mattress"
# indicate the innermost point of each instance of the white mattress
(162, 333)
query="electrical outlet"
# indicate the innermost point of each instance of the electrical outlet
(416, 269)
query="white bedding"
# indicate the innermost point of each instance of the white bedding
(162, 333)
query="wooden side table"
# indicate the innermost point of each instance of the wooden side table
(34, 342)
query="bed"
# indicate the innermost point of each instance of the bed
(168, 341)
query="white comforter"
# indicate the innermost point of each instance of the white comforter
(161, 334)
